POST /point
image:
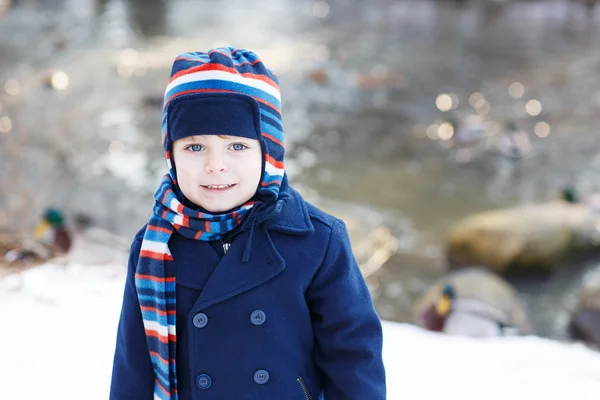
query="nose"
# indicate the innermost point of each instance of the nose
(215, 163)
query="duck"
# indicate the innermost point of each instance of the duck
(52, 240)
(529, 239)
(472, 302)
(24, 251)
(591, 202)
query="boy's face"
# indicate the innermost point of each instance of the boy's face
(218, 173)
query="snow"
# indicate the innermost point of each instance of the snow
(59, 336)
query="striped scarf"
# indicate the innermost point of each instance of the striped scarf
(223, 70)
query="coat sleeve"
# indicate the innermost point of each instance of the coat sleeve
(132, 375)
(347, 329)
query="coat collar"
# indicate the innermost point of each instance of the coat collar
(293, 215)
(232, 276)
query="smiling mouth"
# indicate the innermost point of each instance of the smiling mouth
(218, 187)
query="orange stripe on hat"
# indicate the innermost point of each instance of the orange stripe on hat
(274, 162)
(271, 138)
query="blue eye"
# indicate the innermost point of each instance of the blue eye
(195, 147)
(238, 146)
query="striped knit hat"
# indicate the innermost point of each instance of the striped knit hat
(226, 91)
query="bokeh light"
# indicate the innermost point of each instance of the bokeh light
(477, 100)
(533, 107)
(541, 129)
(444, 102)
(5, 124)
(12, 87)
(432, 131)
(320, 9)
(446, 131)
(516, 90)
(59, 80)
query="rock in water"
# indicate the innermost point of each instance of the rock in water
(525, 240)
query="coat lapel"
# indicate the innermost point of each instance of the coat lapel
(233, 277)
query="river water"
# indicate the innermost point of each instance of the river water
(359, 81)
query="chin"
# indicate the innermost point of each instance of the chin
(217, 208)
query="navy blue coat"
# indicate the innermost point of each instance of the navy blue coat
(294, 322)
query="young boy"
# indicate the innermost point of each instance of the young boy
(237, 288)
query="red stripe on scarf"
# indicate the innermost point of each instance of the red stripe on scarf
(161, 338)
(155, 278)
(158, 229)
(162, 388)
(155, 256)
(270, 184)
(156, 310)
(162, 360)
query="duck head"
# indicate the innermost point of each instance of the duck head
(568, 194)
(434, 316)
(54, 222)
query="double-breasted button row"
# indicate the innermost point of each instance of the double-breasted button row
(257, 317)
(261, 376)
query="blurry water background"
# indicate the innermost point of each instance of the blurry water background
(81, 83)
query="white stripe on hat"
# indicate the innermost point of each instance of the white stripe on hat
(224, 76)
(273, 170)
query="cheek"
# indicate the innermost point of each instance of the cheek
(256, 170)
(186, 170)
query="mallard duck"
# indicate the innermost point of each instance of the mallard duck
(585, 321)
(472, 302)
(529, 239)
(21, 251)
(82, 244)
(591, 201)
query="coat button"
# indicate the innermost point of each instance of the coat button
(203, 381)
(261, 377)
(258, 317)
(200, 320)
